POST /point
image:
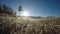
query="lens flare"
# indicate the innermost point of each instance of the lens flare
(25, 13)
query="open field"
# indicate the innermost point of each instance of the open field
(27, 25)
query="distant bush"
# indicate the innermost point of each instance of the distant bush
(6, 10)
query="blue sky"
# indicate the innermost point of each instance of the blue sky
(36, 7)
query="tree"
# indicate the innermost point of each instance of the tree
(20, 9)
(6, 10)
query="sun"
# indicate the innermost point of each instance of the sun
(25, 13)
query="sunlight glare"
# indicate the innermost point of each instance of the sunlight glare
(25, 13)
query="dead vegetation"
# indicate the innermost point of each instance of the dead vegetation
(25, 25)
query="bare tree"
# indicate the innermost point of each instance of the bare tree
(20, 9)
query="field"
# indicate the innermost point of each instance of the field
(29, 25)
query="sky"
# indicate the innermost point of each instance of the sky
(35, 7)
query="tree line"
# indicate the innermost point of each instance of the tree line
(4, 9)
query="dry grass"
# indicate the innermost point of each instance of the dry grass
(25, 25)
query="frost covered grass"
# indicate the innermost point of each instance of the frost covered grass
(26, 25)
